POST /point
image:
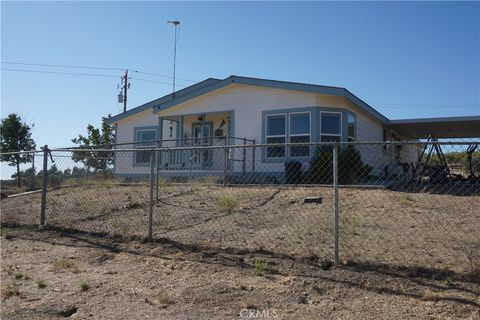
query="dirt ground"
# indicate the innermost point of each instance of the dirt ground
(377, 226)
(239, 252)
(49, 274)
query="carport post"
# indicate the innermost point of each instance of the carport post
(335, 203)
(44, 186)
(152, 182)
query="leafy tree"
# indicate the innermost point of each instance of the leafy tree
(102, 138)
(15, 136)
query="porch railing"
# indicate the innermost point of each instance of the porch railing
(198, 159)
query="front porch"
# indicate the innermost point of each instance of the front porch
(197, 130)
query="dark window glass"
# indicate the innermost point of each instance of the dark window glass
(300, 151)
(300, 123)
(276, 125)
(276, 151)
(147, 136)
(330, 123)
(330, 138)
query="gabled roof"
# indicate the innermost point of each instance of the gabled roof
(164, 99)
(211, 84)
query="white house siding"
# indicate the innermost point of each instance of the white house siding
(368, 128)
(246, 104)
(373, 155)
(125, 134)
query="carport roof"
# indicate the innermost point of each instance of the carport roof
(441, 128)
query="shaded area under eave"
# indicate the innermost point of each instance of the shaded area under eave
(441, 128)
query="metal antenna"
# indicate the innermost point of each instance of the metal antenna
(175, 23)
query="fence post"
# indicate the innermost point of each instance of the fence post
(244, 164)
(225, 164)
(150, 207)
(335, 203)
(253, 156)
(159, 159)
(44, 186)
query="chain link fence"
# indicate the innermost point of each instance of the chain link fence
(405, 204)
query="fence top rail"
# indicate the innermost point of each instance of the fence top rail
(242, 146)
(161, 141)
(239, 146)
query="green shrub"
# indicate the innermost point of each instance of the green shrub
(351, 168)
(260, 265)
(84, 286)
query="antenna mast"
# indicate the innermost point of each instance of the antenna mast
(175, 23)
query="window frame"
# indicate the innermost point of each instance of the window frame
(300, 134)
(331, 134)
(354, 138)
(140, 144)
(285, 115)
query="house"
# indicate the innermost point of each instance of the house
(242, 110)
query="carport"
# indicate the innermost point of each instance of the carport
(440, 128)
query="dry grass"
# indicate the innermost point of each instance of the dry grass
(64, 264)
(41, 284)
(10, 291)
(429, 295)
(227, 203)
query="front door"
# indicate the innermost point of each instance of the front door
(205, 138)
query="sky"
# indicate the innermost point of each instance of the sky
(407, 60)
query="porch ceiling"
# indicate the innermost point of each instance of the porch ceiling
(442, 128)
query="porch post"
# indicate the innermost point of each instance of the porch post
(160, 138)
(202, 139)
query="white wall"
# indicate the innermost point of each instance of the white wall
(125, 134)
(248, 103)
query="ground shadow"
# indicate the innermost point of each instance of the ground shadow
(312, 268)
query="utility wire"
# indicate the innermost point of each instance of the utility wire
(162, 76)
(61, 66)
(58, 72)
(378, 104)
(146, 80)
(93, 68)
(82, 74)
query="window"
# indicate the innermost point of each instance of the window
(147, 136)
(330, 126)
(351, 127)
(299, 132)
(275, 133)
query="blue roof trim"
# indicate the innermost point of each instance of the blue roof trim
(313, 88)
(194, 94)
(168, 97)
